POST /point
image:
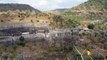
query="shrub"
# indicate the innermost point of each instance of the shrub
(91, 26)
(21, 41)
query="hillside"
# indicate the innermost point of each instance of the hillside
(90, 12)
(99, 5)
(21, 7)
(60, 10)
(18, 18)
(91, 7)
(16, 15)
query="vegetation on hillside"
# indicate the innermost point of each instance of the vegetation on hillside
(97, 5)
(90, 12)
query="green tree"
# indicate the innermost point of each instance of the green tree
(91, 26)
(21, 41)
